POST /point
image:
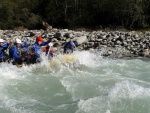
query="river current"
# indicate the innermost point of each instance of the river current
(86, 83)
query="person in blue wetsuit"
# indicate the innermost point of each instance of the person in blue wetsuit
(15, 52)
(3, 47)
(69, 46)
(25, 52)
(36, 49)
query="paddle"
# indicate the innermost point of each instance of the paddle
(61, 61)
(50, 45)
(49, 52)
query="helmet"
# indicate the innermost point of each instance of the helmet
(1, 40)
(18, 41)
(27, 43)
(50, 44)
(39, 38)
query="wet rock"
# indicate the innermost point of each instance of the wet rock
(80, 40)
(56, 44)
(68, 35)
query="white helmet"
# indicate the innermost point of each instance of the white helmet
(50, 44)
(1, 40)
(18, 41)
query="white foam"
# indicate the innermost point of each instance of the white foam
(93, 105)
(88, 58)
(129, 90)
(108, 80)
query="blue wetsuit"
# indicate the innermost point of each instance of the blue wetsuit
(2, 50)
(36, 50)
(15, 52)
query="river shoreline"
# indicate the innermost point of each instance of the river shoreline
(113, 44)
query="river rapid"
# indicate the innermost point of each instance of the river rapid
(88, 83)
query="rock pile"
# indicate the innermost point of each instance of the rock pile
(111, 43)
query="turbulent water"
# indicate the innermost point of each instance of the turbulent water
(87, 83)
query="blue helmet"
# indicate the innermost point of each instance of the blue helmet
(27, 43)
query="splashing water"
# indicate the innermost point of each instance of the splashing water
(82, 82)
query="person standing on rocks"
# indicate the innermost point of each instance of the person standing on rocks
(3, 47)
(69, 46)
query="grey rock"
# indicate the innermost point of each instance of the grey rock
(80, 40)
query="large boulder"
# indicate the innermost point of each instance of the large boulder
(57, 44)
(68, 35)
(80, 40)
(59, 35)
(78, 34)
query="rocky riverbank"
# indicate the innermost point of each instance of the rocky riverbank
(115, 44)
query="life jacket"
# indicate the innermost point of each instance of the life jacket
(50, 51)
(22, 51)
(15, 52)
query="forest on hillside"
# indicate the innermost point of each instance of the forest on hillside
(129, 14)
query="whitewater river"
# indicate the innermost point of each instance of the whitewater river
(87, 84)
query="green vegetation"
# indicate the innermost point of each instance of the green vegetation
(75, 13)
